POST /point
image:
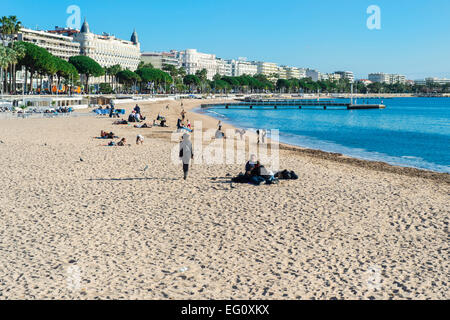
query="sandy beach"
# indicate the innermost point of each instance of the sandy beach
(81, 220)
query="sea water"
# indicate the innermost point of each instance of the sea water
(413, 132)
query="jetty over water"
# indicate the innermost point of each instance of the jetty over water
(294, 104)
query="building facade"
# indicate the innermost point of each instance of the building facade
(331, 76)
(440, 81)
(387, 78)
(224, 67)
(292, 72)
(313, 74)
(242, 67)
(397, 78)
(379, 77)
(108, 50)
(192, 61)
(159, 59)
(267, 68)
(58, 45)
(346, 75)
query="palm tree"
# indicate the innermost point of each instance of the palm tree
(9, 27)
(19, 50)
(4, 62)
(7, 57)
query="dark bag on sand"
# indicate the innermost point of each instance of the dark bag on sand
(294, 176)
(286, 175)
(241, 178)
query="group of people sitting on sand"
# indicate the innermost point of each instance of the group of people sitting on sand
(184, 125)
(162, 121)
(256, 173)
(136, 115)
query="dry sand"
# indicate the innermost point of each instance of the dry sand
(131, 234)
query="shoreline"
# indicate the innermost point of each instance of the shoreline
(342, 158)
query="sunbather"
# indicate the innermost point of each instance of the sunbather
(122, 142)
(122, 121)
(139, 139)
(144, 125)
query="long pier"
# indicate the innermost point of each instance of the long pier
(294, 104)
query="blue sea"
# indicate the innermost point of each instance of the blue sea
(412, 132)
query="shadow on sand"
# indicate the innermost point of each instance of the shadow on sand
(134, 179)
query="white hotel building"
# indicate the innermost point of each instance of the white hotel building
(387, 78)
(224, 67)
(107, 50)
(159, 59)
(267, 68)
(192, 61)
(242, 67)
(58, 45)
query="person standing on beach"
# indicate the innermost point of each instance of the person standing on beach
(111, 110)
(258, 134)
(186, 154)
(183, 114)
(219, 126)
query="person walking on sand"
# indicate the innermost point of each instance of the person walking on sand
(186, 153)
(219, 126)
(258, 134)
(183, 114)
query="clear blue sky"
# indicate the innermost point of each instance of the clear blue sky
(328, 35)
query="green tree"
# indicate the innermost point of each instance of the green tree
(9, 26)
(86, 66)
(158, 77)
(128, 77)
(105, 88)
(65, 70)
(191, 81)
(36, 60)
(142, 64)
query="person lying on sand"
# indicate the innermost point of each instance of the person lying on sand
(121, 121)
(144, 125)
(106, 135)
(122, 142)
(139, 139)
